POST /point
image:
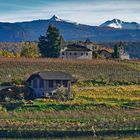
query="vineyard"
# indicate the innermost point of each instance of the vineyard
(106, 111)
(110, 70)
(113, 111)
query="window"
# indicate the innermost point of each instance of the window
(82, 53)
(62, 53)
(43, 94)
(69, 53)
(35, 83)
(58, 83)
(41, 83)
(65, 83)
(50, 84)
(87, 54)
(75, 53)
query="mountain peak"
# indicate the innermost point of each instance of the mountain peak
(117, 23)
(55, 18)
(116, 20)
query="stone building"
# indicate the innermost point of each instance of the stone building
(76, 51)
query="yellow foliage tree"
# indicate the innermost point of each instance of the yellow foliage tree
(4, 53)
(30, 50)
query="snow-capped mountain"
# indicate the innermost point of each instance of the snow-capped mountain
(116, 23)
(31, 30)
(55, 18)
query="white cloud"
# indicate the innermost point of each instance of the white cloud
(86, 12)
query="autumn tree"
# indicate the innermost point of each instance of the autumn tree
(30, 50)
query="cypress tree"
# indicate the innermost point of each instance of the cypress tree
(116, 51)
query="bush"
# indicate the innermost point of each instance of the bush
(17, 82)
(12, 105)
(16, 93)
(6, 53)
(62, 93)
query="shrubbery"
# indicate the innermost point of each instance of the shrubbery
(25, 49)
(16, 93)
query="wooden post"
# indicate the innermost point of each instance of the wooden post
(94, 131)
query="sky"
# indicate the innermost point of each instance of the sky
(91, 12)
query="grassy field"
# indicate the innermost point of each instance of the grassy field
(113, 111)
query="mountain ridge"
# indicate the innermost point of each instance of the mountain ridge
(31, 30)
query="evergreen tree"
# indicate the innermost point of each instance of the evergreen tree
(116, 51)
(49, 45)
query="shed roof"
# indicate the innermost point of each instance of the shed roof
(52, 75)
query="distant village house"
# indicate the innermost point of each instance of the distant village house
(89, 50)
(76, 51)
(106, 53)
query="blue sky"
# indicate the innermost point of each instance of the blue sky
(92, 12)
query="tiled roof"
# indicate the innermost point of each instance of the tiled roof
(110, 50)
(77, 47)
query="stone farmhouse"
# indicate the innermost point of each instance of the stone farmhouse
(76, 51)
